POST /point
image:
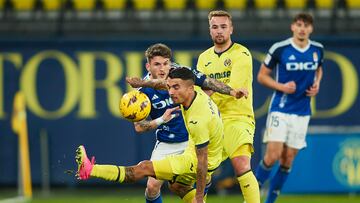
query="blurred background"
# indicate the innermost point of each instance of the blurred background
(70, 59)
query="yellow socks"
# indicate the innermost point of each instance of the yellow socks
(249, 187)
(188, 198)
(109, 172)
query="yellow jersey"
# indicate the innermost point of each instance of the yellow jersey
(205, 127)
(234, 68)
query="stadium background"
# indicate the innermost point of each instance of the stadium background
(70, 58)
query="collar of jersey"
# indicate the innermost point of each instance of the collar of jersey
(219, 54)
(302, 50)
(191, 102)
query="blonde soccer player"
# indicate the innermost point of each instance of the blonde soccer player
(231, 63)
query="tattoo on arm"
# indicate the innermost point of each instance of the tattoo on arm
(145, 125)
(156, 84)
(217, 86)
(202, 155)
(129, 175)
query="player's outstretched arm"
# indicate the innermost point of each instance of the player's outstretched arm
(220, 87)
(136, 82)
(146, 125)
(209, 84)
(264, 78)
(201, 171)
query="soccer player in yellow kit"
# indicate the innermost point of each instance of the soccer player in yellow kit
(231, 63)
(202, 156)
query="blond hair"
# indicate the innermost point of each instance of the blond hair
(219, 13)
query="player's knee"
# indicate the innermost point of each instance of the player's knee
(271, 157)
(287, 160)
(241, 164)
(179, 190)
(153, 187)
(144, 167)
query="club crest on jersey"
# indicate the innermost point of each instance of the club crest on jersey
(315, 57)
(227, 62)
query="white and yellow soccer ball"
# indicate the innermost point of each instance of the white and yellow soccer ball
(135, 106)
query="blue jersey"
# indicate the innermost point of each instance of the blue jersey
(172, 131)
(294, 64)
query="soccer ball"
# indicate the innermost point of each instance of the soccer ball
(135, 106)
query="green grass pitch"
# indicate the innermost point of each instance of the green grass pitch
(135, 195)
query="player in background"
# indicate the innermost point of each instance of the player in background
(202, 156)
(231, 63)
(298, 65)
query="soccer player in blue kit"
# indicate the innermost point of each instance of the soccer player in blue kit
(298, 65)
(171, 133)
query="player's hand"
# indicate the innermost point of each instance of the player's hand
(134, 82)
(239, 93)
(313, 90)
(289, 87)
(170, 114)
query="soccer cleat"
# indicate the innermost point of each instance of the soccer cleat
(85, 166)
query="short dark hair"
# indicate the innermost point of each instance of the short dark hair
(158, 50)
(305, 17)
(183, 73)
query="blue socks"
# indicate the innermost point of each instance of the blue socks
(262, 173)
(276, 183)
(156, 199)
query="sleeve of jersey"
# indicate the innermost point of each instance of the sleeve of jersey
(270, 60)
(199, 77)
(241, 73)
(199, 132)
(321, 61)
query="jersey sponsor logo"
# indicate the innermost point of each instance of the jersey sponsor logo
(295, 66)
(225, 74)
(292, 57)
(206, 65)
(162, 104)
(227, 62)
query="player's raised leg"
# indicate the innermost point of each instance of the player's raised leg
(87, 169)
